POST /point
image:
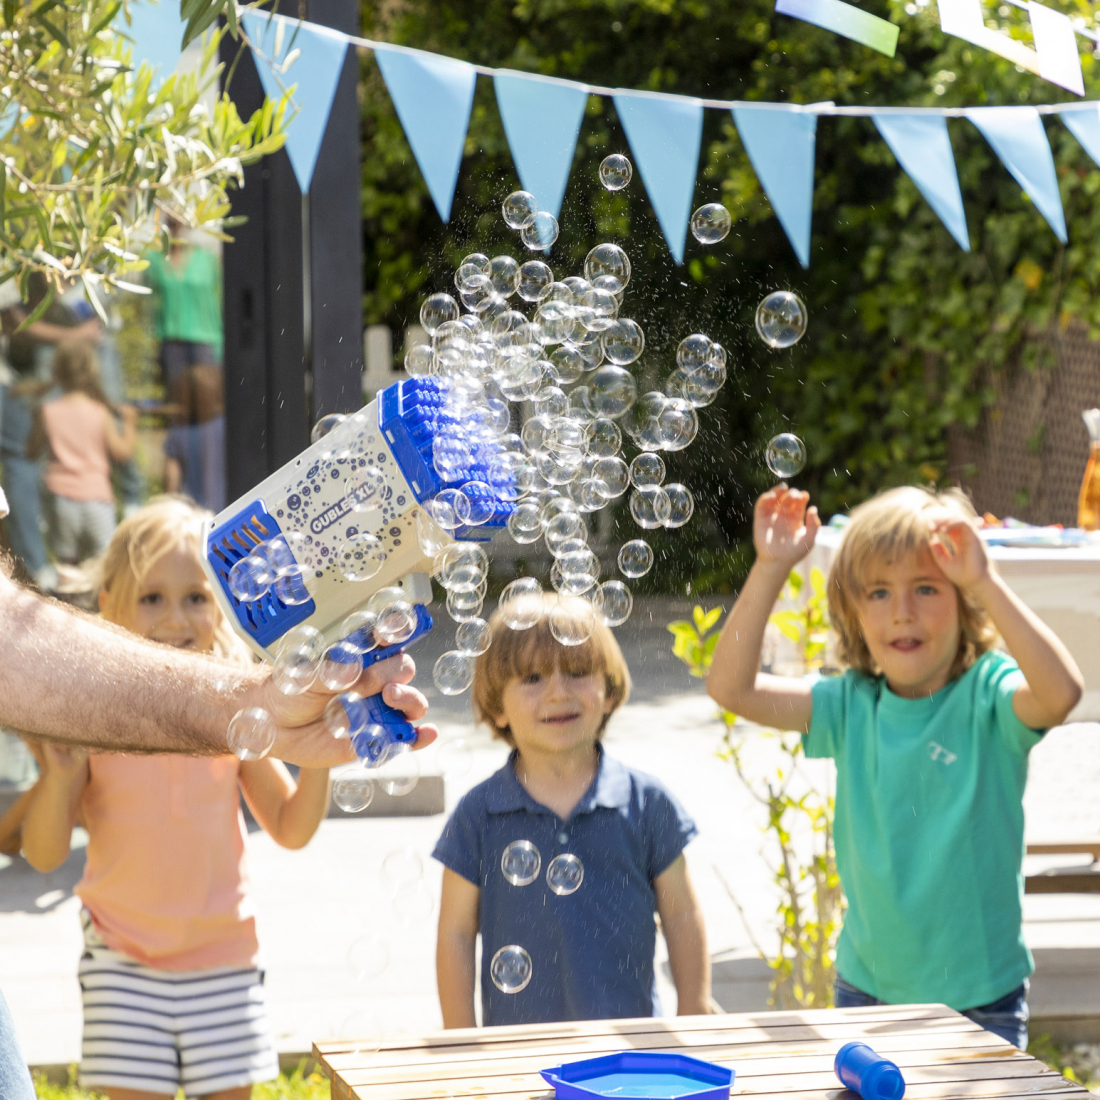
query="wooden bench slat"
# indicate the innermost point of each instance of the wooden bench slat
(1063, 882)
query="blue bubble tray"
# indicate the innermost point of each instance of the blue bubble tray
(641, 1074)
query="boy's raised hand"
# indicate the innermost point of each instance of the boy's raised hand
(958, 550)
(783, 528)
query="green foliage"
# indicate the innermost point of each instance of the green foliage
(811, 906)
(91, 148)
(907, 332)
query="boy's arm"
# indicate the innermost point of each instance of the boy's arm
(1053, 682)
(455, 949)
(37, 441)
(686, 936)
(289, 813)
(120, 444)
(783, 533)
(11, 824)
(51, 812)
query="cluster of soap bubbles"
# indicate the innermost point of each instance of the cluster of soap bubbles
(538, 229)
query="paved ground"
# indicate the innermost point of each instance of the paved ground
(366, 888)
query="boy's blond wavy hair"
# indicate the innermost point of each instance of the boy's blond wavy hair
(891, 525)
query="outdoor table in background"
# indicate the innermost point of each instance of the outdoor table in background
(777, 1055)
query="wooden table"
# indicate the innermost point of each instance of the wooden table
(777, 1056)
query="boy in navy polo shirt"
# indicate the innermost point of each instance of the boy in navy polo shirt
(560, 859)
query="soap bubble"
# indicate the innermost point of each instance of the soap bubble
(613, 392)
(647, 471)
(535, 280)
(607, 259)
(453, 672)
(353, 791)
(623, 342)
(635, 558)
(694, 352)
(430, 536)
(413, 902)
(677, 425)
(503, 275)
(613, 603)
(360, 557)
(650, 507)
(396, 623)
(572, 621)
(450, 508)
(473, 636)
(251, 733)
(711, 223)
(250, 578)
(781, 319)
(462, 567)
(462, 606)
(519, 209)
(614, 473)
(418, 360)
(603, 437)
(482, 502)
(357, 631)
(298, 660)
(290, 586)
(510, 969)
(520, 863)
(325, 425)
(681, 504)
(363, 489)
(524, 524)
(368, 956)
(615, 172)
(562, 526)
(399, 773)
(340, 667)
(565, 874)
(437, 310)
(541, 232)
(401, 866)
(519, 608)
(392, 593)
(786, 455)
(345, 716)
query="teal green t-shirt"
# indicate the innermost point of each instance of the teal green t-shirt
(187, 299)
(929, 833)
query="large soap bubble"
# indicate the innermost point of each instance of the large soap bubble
(251, 733)
(623, 342)
(453, 672)
(613, 603)
(711, 223)
(607, 259)
(541, 232)
(781, 319)
(786, 455)
(436, 310)
(353, 791)
(613, 392)
(681, 504)
(326, 425)
(565, 874)
(510, 969)
(615, 172)
(635, 558)
(520, 607)
(360, 557)
(647, 471)
(298, 660)
(520, 862)
(519, 209)
(650, 508)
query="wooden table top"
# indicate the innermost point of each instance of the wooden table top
(777, 1056)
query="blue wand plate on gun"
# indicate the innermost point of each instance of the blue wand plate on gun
(641, 1075)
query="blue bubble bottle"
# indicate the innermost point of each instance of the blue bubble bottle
(872, 1076)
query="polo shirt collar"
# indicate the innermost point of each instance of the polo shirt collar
(610, 789)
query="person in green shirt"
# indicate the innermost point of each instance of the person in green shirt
(930, 728)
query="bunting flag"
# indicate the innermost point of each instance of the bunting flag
(780, 145)
(923, 148)
(1020, 142)
(433, 96)
(157, 31)
(665, 133)
(1056, 47)
(1085, 127)
(542, 121)
(313, 58)
(844, 19)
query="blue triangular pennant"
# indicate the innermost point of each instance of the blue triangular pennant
(1085, 127)
(432, 96)
(665, 132)
(1020, 142)
(314, 74)
(542, 120)
(780, 144)
(923, 148)
(157, 31)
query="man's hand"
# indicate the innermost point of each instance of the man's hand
(958, 550)
(783, 528)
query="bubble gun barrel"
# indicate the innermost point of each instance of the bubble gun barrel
(860, 1069)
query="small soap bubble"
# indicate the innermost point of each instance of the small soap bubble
(298, 660)
(781, 319)
(453, 672)
(613, 603)
(473, 637)
(373, 745)
(565, 874)
(572, 622)
(503, 275)
(368, 956)
(399, 773)
(250, 578)
(396, 623)
(436, 311)
(603, 437)
(681, 504)
(450, 508)
(401, 866)
(454, 757)
(360, 557)
(482, 502)
(519, 209)
(694, 352)
(520, 862)
(353, 791)
(413, 902)
(357, 631)
(650, 508)
(623, 342)
(430, 536)
(325, 425)
(462, 606)
(519, 606)
(418, 360)
(607, 259)
(341, 667)
(613, 391)
(635, 558)
(345, 716)
(524, 524)
(786, 455)
(615, 172)
(535, 280)
(711, 223)
(614, 473)
(290, 586)
(510, 969)
(363, 489)
(392, 593)
(600, 310)
(647, 471)
(251, 733)
(541, 232)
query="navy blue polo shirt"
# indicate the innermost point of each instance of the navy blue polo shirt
(592, 950)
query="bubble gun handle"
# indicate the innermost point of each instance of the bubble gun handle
(860, 1069)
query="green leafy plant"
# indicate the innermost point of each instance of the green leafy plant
(812, 903)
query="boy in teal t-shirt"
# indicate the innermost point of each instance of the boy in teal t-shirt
(930, 728)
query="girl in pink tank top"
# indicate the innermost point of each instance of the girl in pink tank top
(165, 886)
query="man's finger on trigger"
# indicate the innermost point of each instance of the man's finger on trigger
(425, 735)
(408, 700)
(398, 670)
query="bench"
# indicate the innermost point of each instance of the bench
(1079, 879)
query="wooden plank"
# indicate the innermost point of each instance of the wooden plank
(1066, 847)
(1063, 882)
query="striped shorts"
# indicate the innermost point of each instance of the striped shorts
(158, 1030)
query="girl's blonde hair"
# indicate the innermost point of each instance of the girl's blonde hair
(892, 525)
(141, 540)
(76, 370)
(518, 653)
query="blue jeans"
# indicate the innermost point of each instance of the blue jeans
(1006, 1017)
(15, 1079)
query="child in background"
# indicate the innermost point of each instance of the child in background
(79, 431)
(171, 990)
(591, 948)
(930, 728)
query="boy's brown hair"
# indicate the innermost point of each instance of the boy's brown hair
(518, 653)
(891, 525)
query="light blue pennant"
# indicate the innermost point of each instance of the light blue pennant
(1020, 142)
(1085, 127)
(314, 74)
(665, 132)
(433, 96)
(157, 31)
(542, 120)
(780, 144)
(923, 148)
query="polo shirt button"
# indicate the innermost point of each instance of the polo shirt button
(563, 838)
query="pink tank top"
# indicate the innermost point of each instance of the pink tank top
(76, 427)
(166, 880)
